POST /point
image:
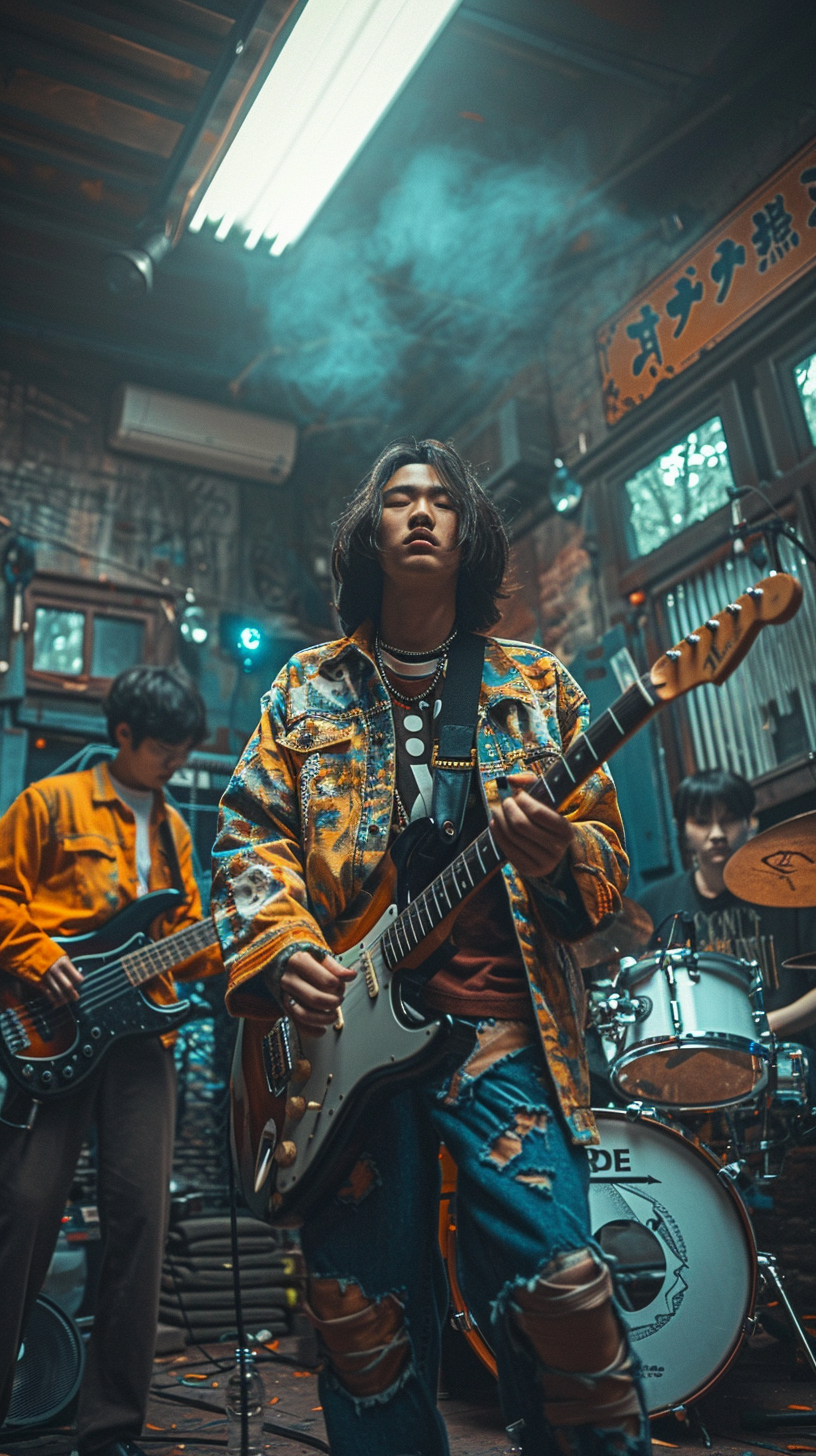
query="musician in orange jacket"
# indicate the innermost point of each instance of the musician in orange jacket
(74, 850)
(341, 763)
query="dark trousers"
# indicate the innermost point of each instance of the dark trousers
(132, 1100)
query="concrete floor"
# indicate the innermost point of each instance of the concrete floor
(768, 1376)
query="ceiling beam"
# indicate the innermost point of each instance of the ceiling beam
(194, 50)
(75, 110)
(57, 64)
(110, 50)
(647, 75)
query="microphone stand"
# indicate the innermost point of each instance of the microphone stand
(771, 527)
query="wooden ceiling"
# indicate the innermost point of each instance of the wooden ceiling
(111, 112)
(106, 107)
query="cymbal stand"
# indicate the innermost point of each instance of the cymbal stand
(772, 1277)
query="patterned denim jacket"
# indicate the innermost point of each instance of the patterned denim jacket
(307, 815)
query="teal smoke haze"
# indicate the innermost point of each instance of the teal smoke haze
(448, 283)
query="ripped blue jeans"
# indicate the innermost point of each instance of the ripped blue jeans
(521, 1201)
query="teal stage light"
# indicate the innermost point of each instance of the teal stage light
(245, 641)
(564, 490)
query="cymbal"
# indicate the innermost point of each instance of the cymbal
(806, 962)
(625, 935)
(777, 867)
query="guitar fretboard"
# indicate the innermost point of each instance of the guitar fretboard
(482, 857)
(162, 955)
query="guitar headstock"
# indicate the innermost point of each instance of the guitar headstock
(711, 653)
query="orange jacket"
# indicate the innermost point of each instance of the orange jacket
(68, 864)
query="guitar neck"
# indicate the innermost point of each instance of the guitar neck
(164, 955)
(447, 893)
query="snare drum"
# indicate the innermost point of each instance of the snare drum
(699, 1036)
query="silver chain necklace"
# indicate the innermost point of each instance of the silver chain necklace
(418, 656)
(406, 699)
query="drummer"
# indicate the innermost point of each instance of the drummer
(715, 815)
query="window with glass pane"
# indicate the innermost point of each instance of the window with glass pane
(805, 376)
(683, 485)
(58, 641)
(117, 644)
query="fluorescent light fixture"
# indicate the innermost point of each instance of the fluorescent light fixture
(336, 76)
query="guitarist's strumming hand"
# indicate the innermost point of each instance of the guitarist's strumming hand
(534, 837)
(312, 990)
(61, 982)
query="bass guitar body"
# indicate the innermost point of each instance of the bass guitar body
(48, 1050)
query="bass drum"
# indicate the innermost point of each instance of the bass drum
(685, 1251)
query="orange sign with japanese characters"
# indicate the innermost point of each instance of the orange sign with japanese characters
(750, 257)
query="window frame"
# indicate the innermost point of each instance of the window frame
(727, 406)
(782, 366)
(153, 611)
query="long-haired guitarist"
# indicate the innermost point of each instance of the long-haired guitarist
(74, 850)
(340, 763)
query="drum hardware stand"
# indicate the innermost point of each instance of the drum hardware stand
(689, 1416)
(18, 1109)
(772, 1276)
(610, 1010)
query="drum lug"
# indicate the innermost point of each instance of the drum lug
(735, 1174)
(461, 1320)
(635, 1110)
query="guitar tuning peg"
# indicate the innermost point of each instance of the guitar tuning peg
(692, 639)
(673, 654)
(712, 624)
(754, 592)
(734, 608)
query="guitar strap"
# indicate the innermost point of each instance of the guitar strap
(454, 751)
(168, 844)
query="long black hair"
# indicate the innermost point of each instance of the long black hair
(482, 537)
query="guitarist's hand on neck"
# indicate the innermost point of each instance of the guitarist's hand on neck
(534, 837)
(312, 990)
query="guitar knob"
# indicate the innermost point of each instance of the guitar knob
(295, 1107)
(285, 1153)
(67, 1073)
(87, 1050)
(96, 1032)
(46, 1079)
(302, 1070)
(28, 1070)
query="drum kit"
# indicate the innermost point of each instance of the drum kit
(710, 1104)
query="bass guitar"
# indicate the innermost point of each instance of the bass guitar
(297, 1102)
(48, 1050)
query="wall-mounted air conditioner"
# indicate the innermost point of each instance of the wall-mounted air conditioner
(510, 449)
(193, 432)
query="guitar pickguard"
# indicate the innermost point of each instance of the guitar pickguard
(377, 1037)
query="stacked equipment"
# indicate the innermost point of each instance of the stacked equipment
(197, 1279)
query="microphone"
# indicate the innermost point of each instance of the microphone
(739, 525)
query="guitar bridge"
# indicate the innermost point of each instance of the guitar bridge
(277, 1057)
(13, 1032)
(372, 984)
